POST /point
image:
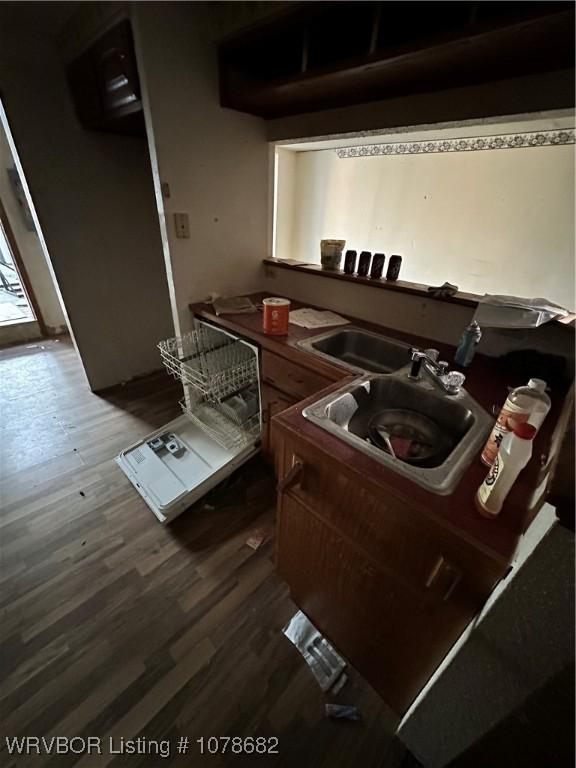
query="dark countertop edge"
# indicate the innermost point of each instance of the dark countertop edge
(399, 286)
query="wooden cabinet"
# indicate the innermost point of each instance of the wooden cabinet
(289, 63)
(391, 589)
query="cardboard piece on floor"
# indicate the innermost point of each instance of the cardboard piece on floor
(326, 664)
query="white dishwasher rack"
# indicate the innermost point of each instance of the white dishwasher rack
(221, 384)
(212, 363)
(222, 424)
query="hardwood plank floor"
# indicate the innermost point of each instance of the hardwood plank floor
(112, 625)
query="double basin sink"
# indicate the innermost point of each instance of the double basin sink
(409, 425)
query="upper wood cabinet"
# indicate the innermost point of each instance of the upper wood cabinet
(318, 55)
(105, 85)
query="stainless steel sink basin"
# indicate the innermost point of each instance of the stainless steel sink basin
(461, 424)
(360, 350)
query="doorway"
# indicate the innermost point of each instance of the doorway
(30, 305)
(15, 303)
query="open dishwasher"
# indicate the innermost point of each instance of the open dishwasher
(219, 430)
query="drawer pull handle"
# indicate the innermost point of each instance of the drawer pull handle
(291, 477)
(446, 576)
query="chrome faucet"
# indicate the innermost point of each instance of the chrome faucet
(449, 381)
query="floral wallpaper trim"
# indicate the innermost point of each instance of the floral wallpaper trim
(479, 143)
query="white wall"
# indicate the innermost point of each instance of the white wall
(94, 198)
(491, 222)
(30, 248)
(215, 161)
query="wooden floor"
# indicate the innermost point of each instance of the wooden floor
(113, 625)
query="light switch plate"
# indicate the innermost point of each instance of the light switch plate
(182, 224)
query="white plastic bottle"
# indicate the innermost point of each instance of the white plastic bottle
(529, 403)
(515, 452)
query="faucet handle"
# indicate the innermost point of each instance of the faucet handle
(442, 367)
(417, 356)
(455, 380)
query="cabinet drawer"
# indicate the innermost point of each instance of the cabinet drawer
(290, 378)
(405, 543)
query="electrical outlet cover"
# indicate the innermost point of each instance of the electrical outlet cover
(182, 224)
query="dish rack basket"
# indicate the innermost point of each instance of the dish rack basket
(211, 362)
(222, 423)
(220, 377)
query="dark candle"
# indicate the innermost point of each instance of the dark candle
(350, 262)
(394, 263)
(377, 266)
(364, 263)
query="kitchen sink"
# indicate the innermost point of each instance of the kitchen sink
(360, 350)
(435, 435)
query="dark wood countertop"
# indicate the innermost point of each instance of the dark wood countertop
(486, 382)
(250, 327)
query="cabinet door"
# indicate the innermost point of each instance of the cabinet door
(394, 535)
(394, 636)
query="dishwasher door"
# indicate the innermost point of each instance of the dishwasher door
(220, 428)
